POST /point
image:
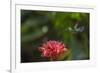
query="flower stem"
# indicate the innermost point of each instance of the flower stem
(51, 59)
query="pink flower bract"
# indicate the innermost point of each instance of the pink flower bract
(52, 49)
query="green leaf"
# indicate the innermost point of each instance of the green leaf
(65, 56)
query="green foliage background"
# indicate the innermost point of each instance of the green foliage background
(39, 26)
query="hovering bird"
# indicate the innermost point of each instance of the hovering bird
(76, 28)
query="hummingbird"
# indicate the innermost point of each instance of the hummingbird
(76, 28)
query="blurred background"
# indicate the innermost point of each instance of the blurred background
(71, 28)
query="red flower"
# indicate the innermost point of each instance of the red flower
(52, 49)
